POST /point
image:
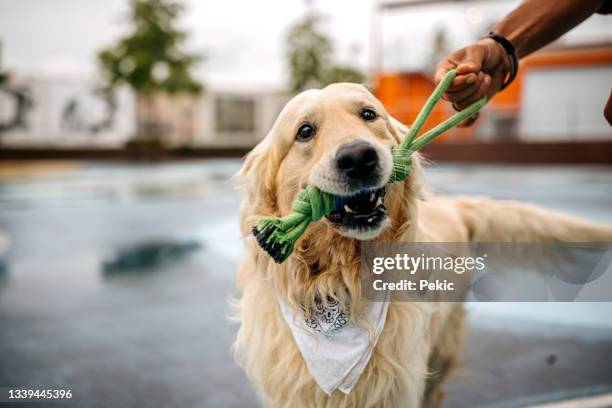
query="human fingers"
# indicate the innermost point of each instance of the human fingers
(469, 121)
(462, 82)
(474, 57)
(482, 91)
(456, 95)
(442, 68)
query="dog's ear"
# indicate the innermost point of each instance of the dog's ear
(397, 129)
(257, 174)
(257, 179)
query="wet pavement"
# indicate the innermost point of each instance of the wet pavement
(117, 280)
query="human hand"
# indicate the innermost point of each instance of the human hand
(481, 70)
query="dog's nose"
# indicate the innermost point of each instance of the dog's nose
(357, 160)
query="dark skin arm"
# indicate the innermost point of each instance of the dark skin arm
(482, 67)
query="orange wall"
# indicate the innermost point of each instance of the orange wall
(403, 94)
(510, 98)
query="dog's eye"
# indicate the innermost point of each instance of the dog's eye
(305, 133)
(368, 114)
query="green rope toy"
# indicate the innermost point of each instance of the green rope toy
(278, 235)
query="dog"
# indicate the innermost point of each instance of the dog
(339, 139)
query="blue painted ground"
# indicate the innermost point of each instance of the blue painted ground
(75, 312)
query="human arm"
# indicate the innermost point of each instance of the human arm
(483, 66)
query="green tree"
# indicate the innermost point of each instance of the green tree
(150, 58)
(310, 56)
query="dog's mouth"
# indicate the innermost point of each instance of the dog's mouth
(362, 211)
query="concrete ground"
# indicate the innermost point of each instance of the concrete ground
(77, 312)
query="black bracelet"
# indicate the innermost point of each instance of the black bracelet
(513, 60)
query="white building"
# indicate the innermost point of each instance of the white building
(53, 113)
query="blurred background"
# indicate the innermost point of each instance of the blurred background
(123, 121)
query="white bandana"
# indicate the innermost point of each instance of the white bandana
(335, 349)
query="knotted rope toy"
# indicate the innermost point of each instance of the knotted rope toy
(278, 235)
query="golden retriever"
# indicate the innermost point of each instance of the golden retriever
(339, 139)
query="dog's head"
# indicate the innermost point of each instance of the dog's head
(338, 139)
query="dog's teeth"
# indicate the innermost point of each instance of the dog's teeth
(379, 201)
(372, 197)
(348, 209)
(371, 219)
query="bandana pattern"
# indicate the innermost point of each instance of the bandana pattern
(327, 318)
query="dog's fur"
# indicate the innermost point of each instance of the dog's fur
(420, 341)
